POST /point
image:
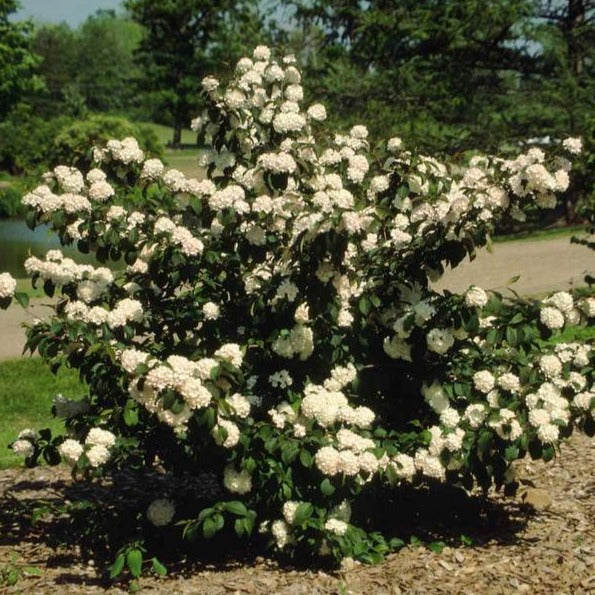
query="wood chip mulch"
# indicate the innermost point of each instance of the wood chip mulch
(544, 544)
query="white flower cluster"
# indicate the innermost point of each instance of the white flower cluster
(24, 445)
(126, 151)
(559, 309)
(328, 407)
(8, 285)
(92, 283)
(237, 482)
(179, 236)
(297, 342)
(161, 512)
(96, 448)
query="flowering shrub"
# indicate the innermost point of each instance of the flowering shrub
(273, 339)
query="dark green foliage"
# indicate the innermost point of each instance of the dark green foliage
(181, 39)
(74, 144)
(90, 68)
(29, 143)
(10, 202)
(17, 62)
(26, 140)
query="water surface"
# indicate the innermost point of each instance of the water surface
(18, 242)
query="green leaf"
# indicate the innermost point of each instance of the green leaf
(130, 417)
(484, 441)
(22, 298)
(548, 453)
(511, 453)
(513, 280)
(158, 568)
(364, 306)
(134, 560)
(236, 507)
(239, 527)
(327, 488)
(306, 458)
(212, 525)
(303, 513)
(117, 566)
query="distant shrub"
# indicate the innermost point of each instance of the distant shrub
(29, 144)
(10, 202)
(74, 144)
(26, 141)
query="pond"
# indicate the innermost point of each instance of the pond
(18, 242)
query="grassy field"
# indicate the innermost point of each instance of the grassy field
(165, 133)
(27, 388)
(543, 234)
(186, 160)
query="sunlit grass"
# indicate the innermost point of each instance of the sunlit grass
(543, 234)
(165, 133)
(186, 160)
(27, 388)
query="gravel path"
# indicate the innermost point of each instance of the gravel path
(542, 265)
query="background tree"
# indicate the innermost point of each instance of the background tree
(176, 52)
(106, 67)
(56, 45)
(17, 62)
(432, 70)
(89, 68)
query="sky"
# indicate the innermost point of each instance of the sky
(73, 12)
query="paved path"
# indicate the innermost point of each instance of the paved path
(542, 265)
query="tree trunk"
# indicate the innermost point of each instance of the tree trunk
(575, 20)
(177, 139)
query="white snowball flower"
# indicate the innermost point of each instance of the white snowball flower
(550, 365)
(317, 112)
(160, 512)
(476, 297)
(211, 311)
(573, 145)
(70, 450)
(280, 532)
(100, 437)
(238, 482)
(98, 455)
(509, 382)
(8, 285)
(336, 526)
(552, 318)
(484, 381)
(440, 340)
(23, 448)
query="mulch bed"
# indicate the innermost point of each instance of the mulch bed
(541, 541)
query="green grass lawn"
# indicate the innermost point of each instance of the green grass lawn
(165, 133)
(24, 286)
(543, 234)
(186, 160)
(27, 388)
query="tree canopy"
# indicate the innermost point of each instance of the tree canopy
(17, 62)
(180, 41)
